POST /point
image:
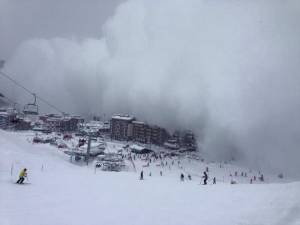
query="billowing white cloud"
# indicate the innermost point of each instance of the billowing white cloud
(229, 70)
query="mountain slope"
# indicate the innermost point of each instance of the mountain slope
(61, 193)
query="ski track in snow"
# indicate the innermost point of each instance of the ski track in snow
(62, 193)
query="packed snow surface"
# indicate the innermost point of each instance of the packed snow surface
(61, 193)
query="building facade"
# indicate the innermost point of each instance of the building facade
(4, 120)
(147, 134)
(59, 123)
(159, 135)
(121, 127)
(127, 128)
(141, 132)
(23, 124)
(8, 118)
(188, 140)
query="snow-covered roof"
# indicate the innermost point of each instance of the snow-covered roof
(53, 115)
(137, 147)
(53, 119)
(172, 141)
(66, 118)
(138, 122)
(39, 128)
(170, 145)
(3, 114)
(94, 124)
(8, 111)
(27, 120)
(125, 117)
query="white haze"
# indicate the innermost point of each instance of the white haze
(227, 69)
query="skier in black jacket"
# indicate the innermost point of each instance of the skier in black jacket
(182, 177)
(205, 178)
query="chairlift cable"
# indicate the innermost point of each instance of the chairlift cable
(15, 82)
(49, 104)
(27, 90)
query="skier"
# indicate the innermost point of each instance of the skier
(190, 177)
(214, 180)
(207, 169)
(182, 177)
(22, 176)
(205, 178)
(160, 173)
(142, 175)
(261, 178)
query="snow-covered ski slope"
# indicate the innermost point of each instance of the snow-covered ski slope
(62, 193)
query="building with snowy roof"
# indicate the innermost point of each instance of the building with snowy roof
(61, 123)
(138, 149)
(121, 127)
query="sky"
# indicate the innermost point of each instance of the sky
(229, 69)
(24, 20)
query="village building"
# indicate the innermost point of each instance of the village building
(141, 132)
(60, 123)
(138, 149)
(4, 120)
(183, 140)
(172, 144)
(127, 128)
(122, 127)
(145, 133)
(188, 140)
(95, 128)
(23, 124)
(8, 118)
(158, 135)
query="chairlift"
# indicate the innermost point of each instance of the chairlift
(31, 108)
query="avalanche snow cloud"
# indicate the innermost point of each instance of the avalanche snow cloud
(227, 69)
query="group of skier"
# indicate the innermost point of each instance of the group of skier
(205, 177)
(252, 178)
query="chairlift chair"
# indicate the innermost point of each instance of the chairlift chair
(31, 108)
